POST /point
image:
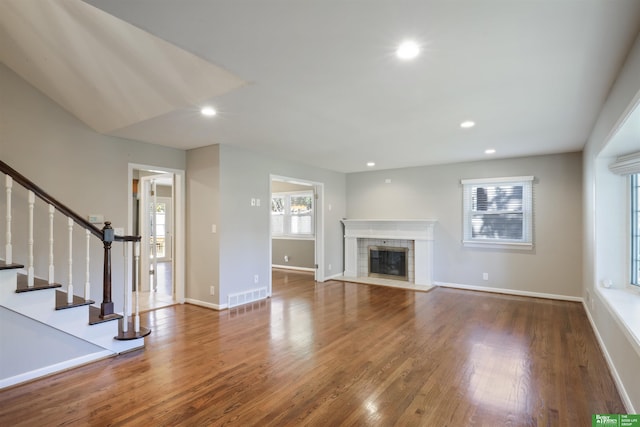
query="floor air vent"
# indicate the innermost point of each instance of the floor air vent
(247, 297)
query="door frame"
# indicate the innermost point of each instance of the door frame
(179, 231)
(318, 188)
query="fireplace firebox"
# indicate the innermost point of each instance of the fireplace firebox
(388, 262)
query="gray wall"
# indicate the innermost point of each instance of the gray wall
(605, 234)
(85, 170)
(221, 181)
(244, 230)
(435, 192)
(299, 251)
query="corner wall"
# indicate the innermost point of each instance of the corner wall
(243, 231)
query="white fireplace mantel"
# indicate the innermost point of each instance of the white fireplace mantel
(418, 230)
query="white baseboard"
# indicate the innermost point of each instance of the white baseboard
(509, 291)
(291, 267)
(55, 368)
(612, 368)
(205, 304)
(333, 276)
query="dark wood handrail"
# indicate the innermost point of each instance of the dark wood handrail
(29, 185)
(106, 235)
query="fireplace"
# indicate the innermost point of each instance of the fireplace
(414, 234)
(387, 262)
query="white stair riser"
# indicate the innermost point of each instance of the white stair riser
(40, 305)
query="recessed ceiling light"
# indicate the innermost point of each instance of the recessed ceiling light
(208, 111)
(467, 124)
(408, 49)
(371, 164)
(490, 151)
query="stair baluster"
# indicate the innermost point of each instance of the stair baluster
(30, 277)
(70, 285)
(52, 210)
(8, 257)
(87, 281)
(106, 235)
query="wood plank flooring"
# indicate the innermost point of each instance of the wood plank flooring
(333, 354)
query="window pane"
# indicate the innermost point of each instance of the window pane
(277, 224)
(497, 198)
(301, 225)
(300, 205)
(277, 205)
(635, 229)
(507, 226)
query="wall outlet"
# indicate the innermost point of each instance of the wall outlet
(253, 202)
(329, 267)
(286, 258)
(212, 290)
(257, 202)
(485, 276)
(256, 278)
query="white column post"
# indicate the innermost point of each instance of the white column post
(136, 319)
(154, 229)
(125, 304)
(87, 282)
(8, 257)
(32, 201)
(52, 210)
(70, 285)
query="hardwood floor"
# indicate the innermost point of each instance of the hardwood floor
(332, 354)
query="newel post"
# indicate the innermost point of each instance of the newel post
(106, 308)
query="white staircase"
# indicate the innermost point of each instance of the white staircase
(45, 302)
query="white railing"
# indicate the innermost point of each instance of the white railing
(131, 305)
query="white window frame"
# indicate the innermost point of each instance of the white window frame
(634, 239)
(526, 243)
(287, 215)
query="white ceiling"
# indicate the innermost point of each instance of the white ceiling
(326, 89)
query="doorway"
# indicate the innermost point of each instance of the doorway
(297, 225)
(157, 215)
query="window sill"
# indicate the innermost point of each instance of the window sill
(293, 237)
(624, 305)
(498, 245)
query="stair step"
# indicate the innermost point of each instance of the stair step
(94, 316)
(61, 301)
(131, 334)
(5, 266)
(38, 284)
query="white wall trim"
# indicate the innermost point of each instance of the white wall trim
(510, 291)
(291, 267)
(612, 367)
(55, 368)
(205, 304)
(333, 276)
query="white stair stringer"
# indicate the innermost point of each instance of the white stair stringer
(40, 305)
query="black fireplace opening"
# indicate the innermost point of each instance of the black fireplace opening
(388, 262)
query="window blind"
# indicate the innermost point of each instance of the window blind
(498, 210)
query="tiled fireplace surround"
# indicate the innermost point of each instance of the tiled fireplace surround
(417, 235)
